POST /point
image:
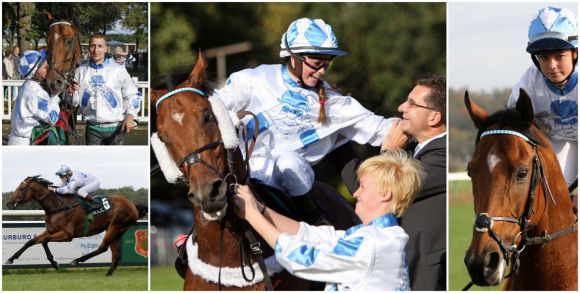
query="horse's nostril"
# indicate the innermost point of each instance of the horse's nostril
(492, 261)
(215, 191)
(190, 195)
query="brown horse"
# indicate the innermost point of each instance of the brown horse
(525, 228)
(188, 128)
(65, 219)
(64, 51)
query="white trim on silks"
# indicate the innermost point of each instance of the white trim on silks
(166, 162)
(225, 123)
(231, 277)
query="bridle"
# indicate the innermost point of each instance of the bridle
(484, 222)
(21, 198)
(192, 159)
(71, 51)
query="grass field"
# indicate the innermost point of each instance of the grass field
(460, 230)
(165, 279)
(75, 279)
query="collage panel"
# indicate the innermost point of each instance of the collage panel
(75, 217)
(326, 84)
(75, 73)
(513, 146)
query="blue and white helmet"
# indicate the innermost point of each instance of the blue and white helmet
(552, 29)
(63, 170)
(30, 62)
(307, 35)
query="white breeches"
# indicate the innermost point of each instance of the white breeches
(567, 153)
(90, 187)
(289, 172)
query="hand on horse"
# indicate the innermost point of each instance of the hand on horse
(128, 124)
(395, 138)
(73, 88)
(52, 188)
(246, 204)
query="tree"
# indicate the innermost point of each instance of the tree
(136, 19)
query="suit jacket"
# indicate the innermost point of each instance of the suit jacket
(425, 220)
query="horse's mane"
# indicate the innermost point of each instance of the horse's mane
(40, 180)
(511, 119)
(172, 80)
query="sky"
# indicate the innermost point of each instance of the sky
(487, 42)
(114, 166)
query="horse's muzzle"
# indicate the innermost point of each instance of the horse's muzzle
(11, 205)
(210, 198)
(55, 84)
(486, 269)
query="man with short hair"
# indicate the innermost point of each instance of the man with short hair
(15, 58)
(423, 119)
(107, 95)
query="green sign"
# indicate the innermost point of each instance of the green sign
(135, 245)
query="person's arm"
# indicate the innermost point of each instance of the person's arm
(132, 100)
(69, 188)
(44, 108)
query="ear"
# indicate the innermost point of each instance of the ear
(434, 118)
(388, 196)
(477, 114)
(525, 108)
(197, 77)
(156, 94)
(47, 15)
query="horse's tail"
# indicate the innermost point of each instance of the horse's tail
(143, 210)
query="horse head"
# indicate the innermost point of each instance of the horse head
(510, 169)
(188, 128)
(64, 51)
(30, 188)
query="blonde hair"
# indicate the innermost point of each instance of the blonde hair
(395, 171)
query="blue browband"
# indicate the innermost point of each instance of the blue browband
(177, 91)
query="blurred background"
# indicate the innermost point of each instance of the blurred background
(487, 56)
(388, 44)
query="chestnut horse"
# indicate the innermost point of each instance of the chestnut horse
(187, 127)
(525, 228)
(65, 219)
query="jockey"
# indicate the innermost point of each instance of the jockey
(33, 105)
(552, 83)
(301, 117)
(76, 182)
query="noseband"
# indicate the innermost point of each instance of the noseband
(484, 222)
(69, 75)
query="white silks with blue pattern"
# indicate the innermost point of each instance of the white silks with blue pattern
(553, 29)
(32, 106)
(80, 183)
(363, 258)
(307, 35)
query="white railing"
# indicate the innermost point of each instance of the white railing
(10, 90)
(458, 176)
(23, 213)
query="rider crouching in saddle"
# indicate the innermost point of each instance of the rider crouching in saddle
(552, 84)
(301, 117)
(77, 182)
(34, 109)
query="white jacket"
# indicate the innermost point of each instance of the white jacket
(363, 258)
(106, 92)
(32, 106)
(76, 181)
(288, 114)
(557, 111)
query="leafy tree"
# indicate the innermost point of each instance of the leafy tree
(136, 20)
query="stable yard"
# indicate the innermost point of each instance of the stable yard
(75, 279)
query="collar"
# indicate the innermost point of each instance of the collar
(421, 145)
(99, 66)
(570, 85)
(288, 77)
(384, 221)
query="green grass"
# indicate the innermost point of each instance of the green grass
(75, 279)
(165, 279)
(460, 231)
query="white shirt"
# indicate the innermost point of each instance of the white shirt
(76, 181)
(106, 92)
(556, 110)
(32, 106)
(288, 114)
(363, 258)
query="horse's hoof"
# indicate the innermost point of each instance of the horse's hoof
(9, 262)
(54, 265)
(74, 262)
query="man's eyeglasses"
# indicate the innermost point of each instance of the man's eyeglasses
(413, 104)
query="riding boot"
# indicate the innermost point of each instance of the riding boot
(91, 201)
(309, 210)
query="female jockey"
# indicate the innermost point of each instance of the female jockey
(76, 182)
(33, 106)
(552, 83)
(301, 117)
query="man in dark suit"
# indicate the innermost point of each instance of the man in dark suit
(423, 119)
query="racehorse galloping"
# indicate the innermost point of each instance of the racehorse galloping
(188, 130)
(65, 219)
(524, 226)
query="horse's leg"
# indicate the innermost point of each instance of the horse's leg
(113, 231)
(30, 242)
(59, 236)
(49, 254)
(115, 254)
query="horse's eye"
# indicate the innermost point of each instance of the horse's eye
(522, 174)
(208, 118)
(468, 171)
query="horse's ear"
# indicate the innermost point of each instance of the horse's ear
(48, 15)
(156, 94)
(525, 108)
(477, 114)
(197, 77)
